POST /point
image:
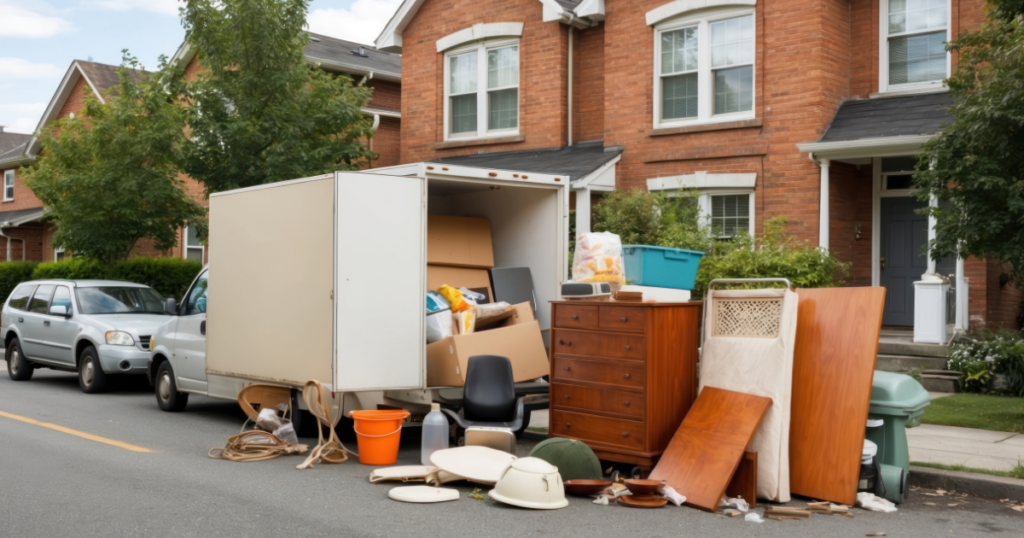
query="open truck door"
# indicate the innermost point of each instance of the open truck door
(380, 282)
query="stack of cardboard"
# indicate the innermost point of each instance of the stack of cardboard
(459, 254)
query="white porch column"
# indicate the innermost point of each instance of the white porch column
(960, 323)
(582, 211)
(932, 203)
(823, 220)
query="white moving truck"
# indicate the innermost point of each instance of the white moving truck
(325, 277)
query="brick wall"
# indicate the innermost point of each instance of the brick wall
(386, 143)
(588, 84)
(386, 95)
(32, 247)
(24, 198)
(850, 206)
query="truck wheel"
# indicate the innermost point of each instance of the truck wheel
(17, 366)
(304, 422)
(167, 395)
(91, 377)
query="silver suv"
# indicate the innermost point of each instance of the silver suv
(94, 327)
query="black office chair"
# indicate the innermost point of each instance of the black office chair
(489, 397)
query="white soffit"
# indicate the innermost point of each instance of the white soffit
(478, 32)
(591, 8)
(681, 7)
(703, 180)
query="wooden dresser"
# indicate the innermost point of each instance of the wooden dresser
(623, 375)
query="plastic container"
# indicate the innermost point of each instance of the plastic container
(661, 267)
(868, 471)
(435, 433)
(898, 400)
(378, 433)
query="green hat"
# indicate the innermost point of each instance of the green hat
(574, 459)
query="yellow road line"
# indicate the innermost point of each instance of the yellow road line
(77, 433)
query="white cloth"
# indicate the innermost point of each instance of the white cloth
(759, 365)
(673, 496)
(753, 516)
(869, 501)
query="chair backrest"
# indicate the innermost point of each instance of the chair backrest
(490, 393)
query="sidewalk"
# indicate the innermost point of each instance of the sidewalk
(981, 449)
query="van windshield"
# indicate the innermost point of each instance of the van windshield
(118, 300)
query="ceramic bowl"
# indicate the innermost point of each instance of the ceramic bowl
(586, 487)
(645, 486)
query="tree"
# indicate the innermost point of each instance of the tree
(975, 167)
(258, 113)
(109, 178)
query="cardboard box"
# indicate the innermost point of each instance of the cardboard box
(459, 242)
(518, 338)
(458, 277)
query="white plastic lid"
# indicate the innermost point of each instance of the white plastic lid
(435, 407)
(870, 449)
(876, 422)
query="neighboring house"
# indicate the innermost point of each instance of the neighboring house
(807, 110)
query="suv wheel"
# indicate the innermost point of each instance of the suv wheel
(167, 395)
(17, 366)
(91, 377)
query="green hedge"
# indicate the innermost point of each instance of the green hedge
(168, 276)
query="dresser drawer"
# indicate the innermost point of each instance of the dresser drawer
(622, 318)
(610, 431)
(621, 402)
(619, 346)
(621, 373)
(576, 317)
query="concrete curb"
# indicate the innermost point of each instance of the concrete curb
(982, 485)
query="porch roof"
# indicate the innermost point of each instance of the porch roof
(577, 161)
(20, 216)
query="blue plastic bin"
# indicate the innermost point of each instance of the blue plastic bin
(661, 267)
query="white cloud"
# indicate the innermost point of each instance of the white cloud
(362, 22)
(19, 68)
(21, 117)
(20, 22)
(165, 7)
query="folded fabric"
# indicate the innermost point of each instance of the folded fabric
(869, 501)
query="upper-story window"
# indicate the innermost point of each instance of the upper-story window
(704, 68)
(914, 33)
(482, 90)
(8, 185)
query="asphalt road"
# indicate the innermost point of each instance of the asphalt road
(55, 484)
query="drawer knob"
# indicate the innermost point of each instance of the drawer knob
(622, 320)
(566, 396)
(568, 424)
(565, 343)
(575, 317)
(566, 368)
(627, 348)
(625, 434)
(626, 403)
(625, 376)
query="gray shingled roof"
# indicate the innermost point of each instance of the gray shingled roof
(7, 216)
(12, 144)
(895, 116)
(103, 76)
(573, 161)
(569, 5)
(332, 49)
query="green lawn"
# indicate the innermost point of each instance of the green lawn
(981, 411)
(1016, 472)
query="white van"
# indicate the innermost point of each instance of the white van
(324, 278)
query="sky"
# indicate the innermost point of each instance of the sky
(40, 38)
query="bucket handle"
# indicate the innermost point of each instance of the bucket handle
(377, 436)
(676, 255)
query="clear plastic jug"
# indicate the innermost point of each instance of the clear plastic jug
(435, 433)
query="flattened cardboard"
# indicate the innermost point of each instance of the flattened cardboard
(459, 241)
(458, 277)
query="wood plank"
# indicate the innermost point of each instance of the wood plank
(706, 450)
(744, 481)
(833, 367)
(671, 370)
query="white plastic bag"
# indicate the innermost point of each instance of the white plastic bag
(472, 296)
(753, 516)
(268, 420)
(869, 501)
(439, 326)
(736, 502)
(598, 258)
(287, 432)
(673, 496)
(484, 311)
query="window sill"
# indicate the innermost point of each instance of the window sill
(909, 91)
(704, 127)
(470, 142)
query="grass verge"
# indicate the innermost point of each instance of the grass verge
(1016, 472)
(981, 411)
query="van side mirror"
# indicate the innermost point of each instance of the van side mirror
(171, 307)
(59, 310)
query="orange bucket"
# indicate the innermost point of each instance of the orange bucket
(378, 433)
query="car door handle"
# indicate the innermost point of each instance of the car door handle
(21, 320)
(202, 328)
(47, 323)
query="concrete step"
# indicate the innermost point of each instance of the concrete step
(907, 348)
(940, 380)
(904, 363)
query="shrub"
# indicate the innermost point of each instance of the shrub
(168, 276)
(14, 273)
(643, 218)
(76, 268)
(983, 352)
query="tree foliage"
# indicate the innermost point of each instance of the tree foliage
(258, 113)
(975, 167)
(645, 218)
(109, 178)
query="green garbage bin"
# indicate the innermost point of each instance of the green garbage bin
(897, 400)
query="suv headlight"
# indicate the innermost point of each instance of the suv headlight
(152, 343)
(120, 338)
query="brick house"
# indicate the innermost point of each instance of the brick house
(767, 110)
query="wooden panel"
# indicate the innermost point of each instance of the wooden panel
(622, 318)
(673, 355)
(575, 317)
(744, 482)
(833, 367)
(606, 372)
(620, 402)
(585, 427)
(706, 450)
(620, 346)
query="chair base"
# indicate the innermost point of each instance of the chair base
(502, 439)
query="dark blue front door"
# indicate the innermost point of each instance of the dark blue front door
(903, 233)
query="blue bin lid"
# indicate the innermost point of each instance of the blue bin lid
(897, 394)
(628, 248)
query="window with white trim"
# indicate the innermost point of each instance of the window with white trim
(482, 90)
(194, 248)
(704, 68)
(8, 185)
(914, 33)
(58, 254)
(730, 214)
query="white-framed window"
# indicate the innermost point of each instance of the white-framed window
(194, 248)
(58, 254)
(481, 86)
(913, 52)
(8, 185)
(726, 201)
(898, 173)
(704, 68)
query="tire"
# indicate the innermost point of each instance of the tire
(91, 377)
(166, 390)
(18, 366)
(305, 424)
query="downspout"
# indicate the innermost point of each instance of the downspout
(376, 123)
(572, 16)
